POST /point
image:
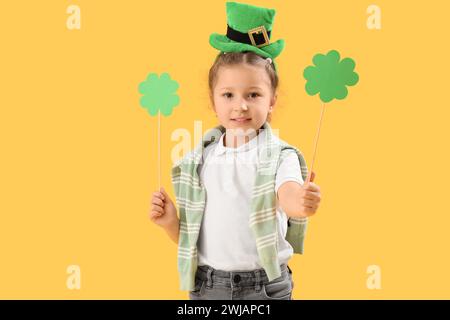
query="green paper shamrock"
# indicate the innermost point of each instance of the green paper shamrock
(329, 76)
(159, 94)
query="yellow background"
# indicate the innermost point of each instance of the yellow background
(79, 154)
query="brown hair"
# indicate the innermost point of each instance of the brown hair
(234, 58)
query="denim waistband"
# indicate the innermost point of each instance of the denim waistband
(241, 278)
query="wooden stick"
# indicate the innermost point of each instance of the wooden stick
(315, 144)
(159, 150)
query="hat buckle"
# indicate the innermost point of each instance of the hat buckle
(258, 30)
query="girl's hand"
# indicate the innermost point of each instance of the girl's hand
(310, 197)
(163, 212)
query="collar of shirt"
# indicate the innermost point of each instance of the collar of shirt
(221, 149)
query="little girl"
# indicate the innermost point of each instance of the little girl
(243, 205)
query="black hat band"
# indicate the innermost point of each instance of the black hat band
(259, 36)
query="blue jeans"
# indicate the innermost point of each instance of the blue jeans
(212, 284)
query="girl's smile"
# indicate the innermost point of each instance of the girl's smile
(241, 120)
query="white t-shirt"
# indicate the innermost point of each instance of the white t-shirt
(226, 241)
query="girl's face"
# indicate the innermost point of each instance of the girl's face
(243, 97)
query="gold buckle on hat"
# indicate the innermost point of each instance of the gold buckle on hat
(257, 30)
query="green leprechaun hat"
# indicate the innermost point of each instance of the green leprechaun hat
(248, 29)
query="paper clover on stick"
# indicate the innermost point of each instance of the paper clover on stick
(330, 77)
(159, 94)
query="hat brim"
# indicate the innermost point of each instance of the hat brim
(222, 43)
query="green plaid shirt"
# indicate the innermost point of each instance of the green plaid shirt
(191, 196)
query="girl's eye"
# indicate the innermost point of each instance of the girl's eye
(228, 94)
